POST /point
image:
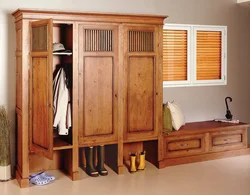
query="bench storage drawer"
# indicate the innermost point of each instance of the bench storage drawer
(177, 146)
(227, 140)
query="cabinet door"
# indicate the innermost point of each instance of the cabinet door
(141, 83)
(40, 102)
(98, 54)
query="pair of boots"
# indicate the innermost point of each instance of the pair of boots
(91, 170)
(142, 164)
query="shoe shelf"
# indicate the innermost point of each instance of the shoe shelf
(60, 144)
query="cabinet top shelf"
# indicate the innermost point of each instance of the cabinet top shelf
(60, 15)
(62, 53)
(75, 12)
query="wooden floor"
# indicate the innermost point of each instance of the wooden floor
(229, 176)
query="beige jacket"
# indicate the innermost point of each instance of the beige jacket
(61, 105)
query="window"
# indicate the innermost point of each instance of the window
(194, 55)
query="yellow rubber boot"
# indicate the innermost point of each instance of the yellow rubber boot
(132, 163)
(142, 164)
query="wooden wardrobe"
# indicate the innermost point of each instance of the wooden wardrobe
(116, 93)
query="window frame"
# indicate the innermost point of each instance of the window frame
(191, 55)
(188, 29)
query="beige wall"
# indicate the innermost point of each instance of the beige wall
(203, 103)
(198, 103)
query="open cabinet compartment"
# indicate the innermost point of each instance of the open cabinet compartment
(110, 159)
(43, 137)
(150, 147)
(63, 34)
(61, 160)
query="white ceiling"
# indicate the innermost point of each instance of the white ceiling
(242, 1)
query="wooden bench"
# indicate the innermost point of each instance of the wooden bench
(202, 141)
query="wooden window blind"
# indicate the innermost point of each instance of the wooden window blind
(208, 55)
(175, 55)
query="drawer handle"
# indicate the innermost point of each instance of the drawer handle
(184, 144)
(228, 139)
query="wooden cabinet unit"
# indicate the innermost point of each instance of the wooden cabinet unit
(115, 69)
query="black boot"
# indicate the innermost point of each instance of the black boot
(100, 164)
(90, 168)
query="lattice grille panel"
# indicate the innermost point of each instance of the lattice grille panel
(141, 41)
(98, 40)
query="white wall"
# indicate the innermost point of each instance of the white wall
(198, 103)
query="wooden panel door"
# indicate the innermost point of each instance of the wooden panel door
(98, 87)
(141, 83)
(40, 99)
